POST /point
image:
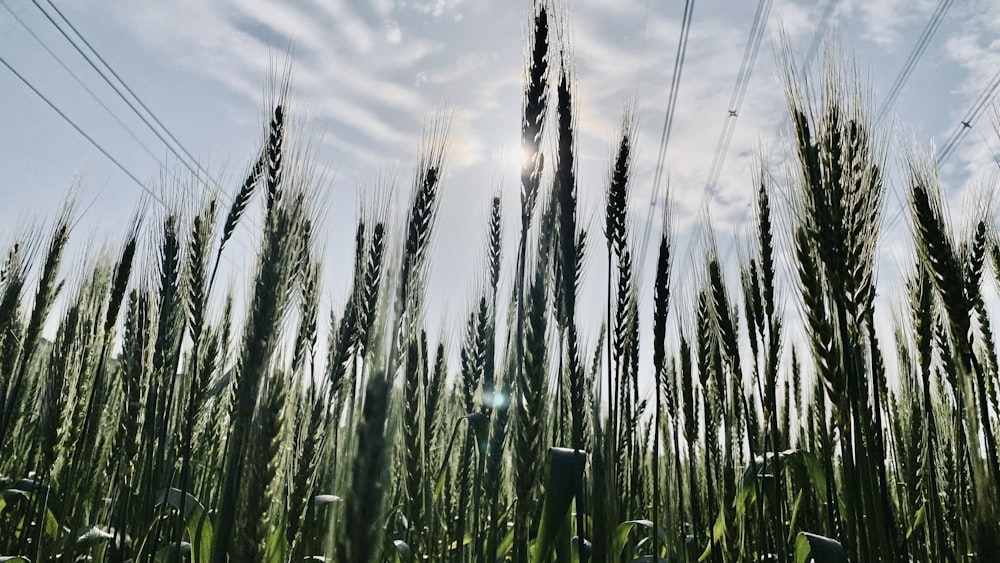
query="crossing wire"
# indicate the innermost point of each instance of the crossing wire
(184, 160)
(739, 93)
(958, 134)
(193, 166)
(83, 85)
(79, 130)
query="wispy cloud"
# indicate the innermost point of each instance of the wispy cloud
(975, 48)
(884, 21)
(462, 68)
(437, 8)
(360, 66)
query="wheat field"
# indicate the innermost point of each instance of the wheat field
(166, 421)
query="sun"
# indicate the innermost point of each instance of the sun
(528, 158)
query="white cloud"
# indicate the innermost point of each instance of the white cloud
(436, 8)
(885, 21)
(393, 33)
(617, 7)
(355, 82)
(348, 24)
(462, 68)
(796, 21)
(383, 7)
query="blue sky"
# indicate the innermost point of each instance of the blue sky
(367, 75)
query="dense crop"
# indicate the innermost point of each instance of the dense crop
(151, 428)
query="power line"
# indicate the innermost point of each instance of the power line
(83, 85)
(819, 34)
(197, 169)
(674, 87)
(669, 116)
(679, 66)
(82, 132)
(969, 120)
(739, 93)
(114, 87)
(750, 53)
(993, 153)
(757, 30)
(915, 54)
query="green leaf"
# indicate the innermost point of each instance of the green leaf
(26, 485)
(802, 462)
(199, 526)
(277, 545)
(810, 548)
(795, 513)
(564, 473)
(86, 539)
(480, 424)
(624, 529)
(566, 546)
(719, 532)
(506, 544)
(51, 524)
(466, 540)
(918, 521)
(14, 496)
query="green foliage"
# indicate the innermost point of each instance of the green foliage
(199, 527)
(810, 548)
(563, 482)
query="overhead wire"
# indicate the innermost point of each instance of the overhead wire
(993, 153)
(187, 160)
(818, 35)
(674, 87)
(757, 29)
(166, 136)
(739, 93)
(914, 57)
(668, 117)
(197, 170)
(184, 156)
(657, 190)
(79, 130)
(83, 85)
(916, 53)
(969, 120)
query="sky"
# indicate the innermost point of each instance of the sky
(368, 75)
